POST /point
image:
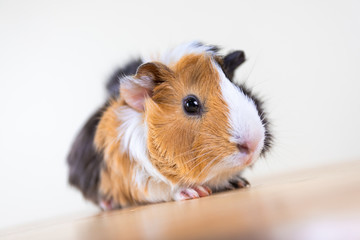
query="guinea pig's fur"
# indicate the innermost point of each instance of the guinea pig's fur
(147, 145)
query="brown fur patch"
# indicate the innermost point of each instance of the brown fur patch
(184, 147)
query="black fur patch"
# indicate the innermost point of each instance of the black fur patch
(84, 161)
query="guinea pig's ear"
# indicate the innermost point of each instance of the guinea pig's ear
(135, 89)
(231, 61)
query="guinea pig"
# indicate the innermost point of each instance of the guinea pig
(175, 127)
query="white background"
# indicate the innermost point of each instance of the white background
(56, 55)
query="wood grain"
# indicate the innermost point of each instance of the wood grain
(301, 205)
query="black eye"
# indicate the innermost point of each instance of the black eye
(192, 105)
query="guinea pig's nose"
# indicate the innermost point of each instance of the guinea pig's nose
(248, 146)
(243, 148)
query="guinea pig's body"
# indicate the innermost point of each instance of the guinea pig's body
(176, 127)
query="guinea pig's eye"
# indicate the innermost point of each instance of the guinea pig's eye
(192, 105)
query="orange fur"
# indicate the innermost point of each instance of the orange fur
(116, 177)
(182, 146)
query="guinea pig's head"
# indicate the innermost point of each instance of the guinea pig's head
(201, 126)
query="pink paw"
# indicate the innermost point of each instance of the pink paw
(108, 205)
(192, 192)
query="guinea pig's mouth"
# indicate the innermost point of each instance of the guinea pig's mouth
(231, 165)
(245, 159)
(237, 161)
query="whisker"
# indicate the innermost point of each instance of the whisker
(199, 148)
(198, 156)
(208, 165)
(187, 174)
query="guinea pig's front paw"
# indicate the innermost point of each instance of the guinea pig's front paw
(108, 204)
(232, 184)
(191, 193)
(239, 182)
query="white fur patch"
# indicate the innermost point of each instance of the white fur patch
(244, 118)
(133, 135)
(172, 56)
(245, 126)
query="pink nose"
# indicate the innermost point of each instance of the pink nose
(243, 148)
(247, 147)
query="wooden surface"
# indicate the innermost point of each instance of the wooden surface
(321, 203)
